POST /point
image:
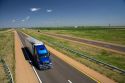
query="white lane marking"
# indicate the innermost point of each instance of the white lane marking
(30, 60)
(69, 81)
(37, 75)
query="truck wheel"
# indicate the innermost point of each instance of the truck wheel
(39, 67)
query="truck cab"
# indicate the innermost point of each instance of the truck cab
(42, 56)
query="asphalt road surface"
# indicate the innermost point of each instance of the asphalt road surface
(61, 71)
(91, 42)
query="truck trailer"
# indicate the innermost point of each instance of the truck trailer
(39, 52)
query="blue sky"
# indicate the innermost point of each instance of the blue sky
(17, 13)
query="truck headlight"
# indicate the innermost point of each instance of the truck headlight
(50, 63)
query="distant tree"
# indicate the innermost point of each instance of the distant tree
(38, 30)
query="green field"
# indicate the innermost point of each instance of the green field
(3, 29)
(7, 53)
(108, 35)
(103, 55)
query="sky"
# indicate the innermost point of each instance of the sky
(28, 13)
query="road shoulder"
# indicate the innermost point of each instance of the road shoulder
(23, 72)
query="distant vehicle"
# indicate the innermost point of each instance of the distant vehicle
(39, 52)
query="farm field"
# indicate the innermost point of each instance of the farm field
(115, 35)
(3, 29)
(7, 53)
(103, 55)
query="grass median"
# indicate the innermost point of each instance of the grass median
(103, 55)
(108, 35)
(7, 53)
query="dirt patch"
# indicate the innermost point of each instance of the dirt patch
(24, 72)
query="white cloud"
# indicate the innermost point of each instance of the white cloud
(22, 20)
(28, 17)
(49, 10)
(34, 9)
(13, 20)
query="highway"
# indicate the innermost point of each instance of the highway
(115, 48)
(61, 71)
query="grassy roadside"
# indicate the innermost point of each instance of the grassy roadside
(3, 29)
(108, 35)
(3, 78)
(108, 57)
(7, 52)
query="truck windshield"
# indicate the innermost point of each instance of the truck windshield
(42, 51)
(44, 55)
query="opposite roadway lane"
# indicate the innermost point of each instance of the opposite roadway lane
(115, 48)
(61, 71)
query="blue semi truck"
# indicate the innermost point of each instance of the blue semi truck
(39, 53)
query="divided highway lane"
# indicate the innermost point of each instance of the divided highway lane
(115, 48)
(61, 71)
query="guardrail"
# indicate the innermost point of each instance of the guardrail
(7, 71)
(114, 68)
